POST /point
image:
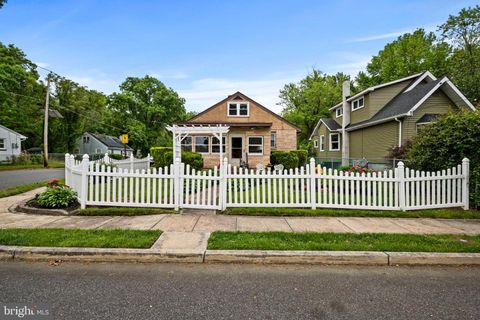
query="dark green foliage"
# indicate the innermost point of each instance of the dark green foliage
(445, 143)
(26, 159)
(288, 159)
(115, 156)
(302, 157)
(57, 197)
(163, 156)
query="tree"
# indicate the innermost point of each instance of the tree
(304, 103)
(144, 107)
(409, 54)
(21, 94)
(2, 3)
(444, 144)
(463, 30)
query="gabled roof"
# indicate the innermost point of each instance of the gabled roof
(407, 101)
(238, 95)
(414, 77)
(331, 125)
(22, 137)
(109, 141)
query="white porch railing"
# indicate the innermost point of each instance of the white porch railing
(179, 186)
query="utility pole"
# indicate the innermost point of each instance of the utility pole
(45, 125)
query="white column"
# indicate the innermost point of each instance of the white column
(466, 182)
(177, 182)
(313, 197)
(67, 169)
(400, 177)
(83, 188)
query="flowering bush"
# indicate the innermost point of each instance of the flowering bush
(57, 196)
(356, 168)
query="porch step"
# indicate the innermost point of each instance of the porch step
(199, 211)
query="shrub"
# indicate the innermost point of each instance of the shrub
(163, 156)
(288, 159)
(302, 156)
(445, 143)
(356, 168)
(158, 155)
(57, 196)
(399, 152)
(36, 158)
(116, 156)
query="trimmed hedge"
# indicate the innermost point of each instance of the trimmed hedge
(290, 159)
(163, 156)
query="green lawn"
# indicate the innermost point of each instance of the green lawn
(79, 238)
(24, 188)
(343, 242)
(51, 164)
(455, 213)
(122, 211)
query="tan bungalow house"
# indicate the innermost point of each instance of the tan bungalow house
(254, 131)
(368, 124)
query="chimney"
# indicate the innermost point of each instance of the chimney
(345, 122)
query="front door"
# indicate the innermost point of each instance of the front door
(236, 150)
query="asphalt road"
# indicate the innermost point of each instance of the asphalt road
(12, 178)
(171, 291)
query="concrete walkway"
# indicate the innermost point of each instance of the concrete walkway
(209, 223)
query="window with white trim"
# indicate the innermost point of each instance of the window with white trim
(255, 145)
(98, 150)
(2, 143)
(339, 112)
(273, 140)
(186, 144)
(358, 104)
(202, 144)
(322, 143)
(238, 109)
(216, 145)
(334, 141)
(315, 144)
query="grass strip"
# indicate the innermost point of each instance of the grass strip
(455, 213)
(310, 241)
(24, 188)
(51, 164)
(116, 238)
(123, 211)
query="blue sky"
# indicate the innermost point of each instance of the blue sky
(206, 50)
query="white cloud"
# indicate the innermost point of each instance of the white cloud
(348, 62)
(42, 64)
(203, 93)
(96, 81)
(394, 34)
(175, 75)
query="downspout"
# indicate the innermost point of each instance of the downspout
(399, 131)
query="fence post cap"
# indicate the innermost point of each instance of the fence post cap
(67, 155)
(85, 157)
(466, 160)
(400, 164)
(177, 160)
(312, 160)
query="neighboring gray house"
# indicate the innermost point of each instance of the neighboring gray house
(90, 143)
(10, 143)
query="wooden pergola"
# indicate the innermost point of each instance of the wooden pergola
(181, 131)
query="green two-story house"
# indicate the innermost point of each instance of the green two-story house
(365, 126)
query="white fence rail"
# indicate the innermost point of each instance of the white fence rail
(179, 186)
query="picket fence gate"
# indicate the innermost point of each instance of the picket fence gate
(103, 183)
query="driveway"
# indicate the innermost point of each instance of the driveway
(14, 178)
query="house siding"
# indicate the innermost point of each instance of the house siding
(437, 103)
(373, 142)
(10, 138)
(375, 100)
(327, 154)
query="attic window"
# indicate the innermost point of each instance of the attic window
(238, 109)
(358, 104)
(339, 112)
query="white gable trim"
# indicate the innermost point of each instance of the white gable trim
(318, 125)
(22, 137)
(443, 81)
(426, 74)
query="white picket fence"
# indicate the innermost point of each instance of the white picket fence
(179, 186)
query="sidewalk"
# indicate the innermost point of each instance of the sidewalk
(210, 223)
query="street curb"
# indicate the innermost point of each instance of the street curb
(297, 257)
(367, 258)
(433, 258)
(98, 255)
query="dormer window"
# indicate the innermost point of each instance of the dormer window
(358, 104)
(238, 109)
(339, 112)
